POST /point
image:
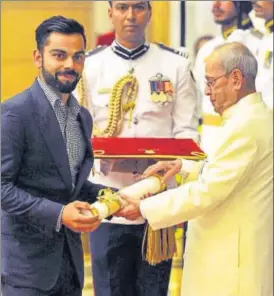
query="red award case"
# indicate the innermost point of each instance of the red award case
(146, 148)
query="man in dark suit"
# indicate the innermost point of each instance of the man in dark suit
(46, 159)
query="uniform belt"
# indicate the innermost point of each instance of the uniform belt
(212, 120)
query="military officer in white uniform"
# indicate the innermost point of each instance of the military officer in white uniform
(157, 93)
(264, 82)
(236, 26)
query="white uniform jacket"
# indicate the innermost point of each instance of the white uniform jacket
(175, 119)
(264, 81)
(229, 247)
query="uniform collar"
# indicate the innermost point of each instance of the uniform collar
(129, 54)
(270, 26)
(241, 105)
(245, 25)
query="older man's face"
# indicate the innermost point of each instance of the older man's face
(218, 86)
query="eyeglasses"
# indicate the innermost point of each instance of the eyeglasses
(210, 83)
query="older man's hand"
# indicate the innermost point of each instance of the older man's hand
(167, 169)
(131, 210)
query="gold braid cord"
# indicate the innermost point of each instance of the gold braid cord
(126, 87)
(158, 245)
(81, 92)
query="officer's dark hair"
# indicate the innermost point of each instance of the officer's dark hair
(57, 24)
(243, 8)
(149, 5)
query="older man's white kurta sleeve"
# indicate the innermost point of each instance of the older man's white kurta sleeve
(230, 166)
(191, 169)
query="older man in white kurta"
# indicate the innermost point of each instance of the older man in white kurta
(229, 249)
(227, 14)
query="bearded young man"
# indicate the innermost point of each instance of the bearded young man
(46, 157)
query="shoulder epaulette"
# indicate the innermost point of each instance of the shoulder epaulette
(257, 33)
(181, 53)
(96, 50)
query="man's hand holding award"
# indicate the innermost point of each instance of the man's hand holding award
(158, 245)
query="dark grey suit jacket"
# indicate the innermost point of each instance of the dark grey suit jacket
(35, 184)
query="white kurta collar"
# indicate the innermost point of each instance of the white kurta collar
(241, 105)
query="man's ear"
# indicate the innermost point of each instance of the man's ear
(150, 14)
(237, 78)
(110, 13)
(37, 58)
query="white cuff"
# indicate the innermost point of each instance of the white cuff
(191, 169)
(187, 166)
(142, 211)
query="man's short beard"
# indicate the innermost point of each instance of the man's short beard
(228, 21)
(56, 84)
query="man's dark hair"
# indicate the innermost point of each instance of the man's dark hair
(57, 24)
(149, 5)
(243, 8)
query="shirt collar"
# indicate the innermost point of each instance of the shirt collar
(72, 103)
(245, 25)
(241, 105)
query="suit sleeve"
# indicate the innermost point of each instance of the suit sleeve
(90, 191)
(14, 200)
(228, 169)
(185, 109)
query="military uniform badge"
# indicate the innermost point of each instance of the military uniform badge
(161, 89)
(268, 59)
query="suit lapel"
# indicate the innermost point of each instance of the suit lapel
(47, 123)
(85, 129)
(88, 162)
